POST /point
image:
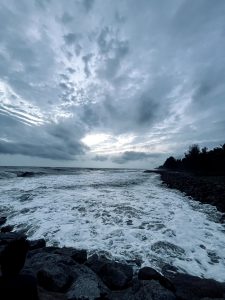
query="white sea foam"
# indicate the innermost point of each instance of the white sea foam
(126, 214)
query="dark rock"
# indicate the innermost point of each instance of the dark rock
(129, 222)
(78, 255)
(54, 279)
(36, 244)
(148, 273)
(7, 228)
(3, 220)
(115, 275)
(87, 286)
(25, 174)
(46, 295)
(54, 272)
(137, 262)
(206, 189)
(8, 237)
(144, 290)
(192, 287)
(164, 247)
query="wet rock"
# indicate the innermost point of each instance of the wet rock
(129, 222)
(46, 295)
(192, 287)
(148, 273)
(144, 290)
(53, 271)
(2, 220)
(115, 275)
(87, 286)
(36, 244)
(54, 279)
(206, 189)
(7, 228)
(7, 237)
(163, 247)
(78, 255)
(25, 174)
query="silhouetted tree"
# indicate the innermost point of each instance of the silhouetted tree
(200, 161)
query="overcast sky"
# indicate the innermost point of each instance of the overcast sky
(102, 83)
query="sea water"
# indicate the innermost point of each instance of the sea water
(125, 214)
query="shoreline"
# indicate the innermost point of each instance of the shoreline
(206, 189)
(69, 274)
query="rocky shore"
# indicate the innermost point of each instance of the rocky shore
(69, 274)
(206, 189)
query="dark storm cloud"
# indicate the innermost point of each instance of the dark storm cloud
(56, 141)
(66, 18)
(100, 158)
(149, 71)
(88, 4)
(70, 38)
(133, 156)
(86, 59)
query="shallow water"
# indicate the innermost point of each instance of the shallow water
(126, 214)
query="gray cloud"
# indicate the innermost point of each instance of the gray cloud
(100, 158)
(55, 141)
(88, 4)
(70, 38)
(152, 74)
(133, 156)
(86, 59)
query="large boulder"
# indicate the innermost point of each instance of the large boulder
(115, 275)
(87, 286)
(54, 272)
(144, 290)
(148, 273)
(195, 288)
(7, 228)
(78, 255)
(3, 219)
(37, 244)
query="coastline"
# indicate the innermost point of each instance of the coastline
(206, 189)
(69, 274)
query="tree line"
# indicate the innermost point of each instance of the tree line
(199, 161)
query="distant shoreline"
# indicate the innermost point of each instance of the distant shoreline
(206, 189)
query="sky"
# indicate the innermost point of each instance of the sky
(102, 83)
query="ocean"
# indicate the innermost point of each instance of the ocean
(127, 215)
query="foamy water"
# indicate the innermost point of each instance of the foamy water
(126, 214)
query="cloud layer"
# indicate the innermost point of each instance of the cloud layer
(110, 83)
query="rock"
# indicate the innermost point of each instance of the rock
(144, 290)
(3, 220)
(164, 248)
(8, 237)
(148, 273)
(115, 275)
(87, 286)
(54, 272)
(7, 228)
(78, 255)
(129, 222)
(36, 244)
(46, 295)
(25, 174)
(192, 287)
(54, 279)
